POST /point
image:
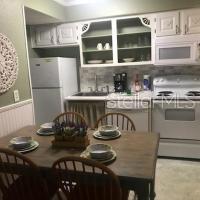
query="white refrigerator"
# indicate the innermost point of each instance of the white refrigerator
(52, 80)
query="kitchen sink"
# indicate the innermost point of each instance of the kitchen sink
(91, 94)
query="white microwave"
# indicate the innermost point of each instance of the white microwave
(177, 53)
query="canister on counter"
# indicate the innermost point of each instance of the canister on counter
(146, 82)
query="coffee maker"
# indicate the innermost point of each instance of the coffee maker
(120, 82)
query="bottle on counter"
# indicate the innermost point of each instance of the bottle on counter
(137, 85)
(146, 82)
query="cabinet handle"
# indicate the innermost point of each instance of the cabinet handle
(198, 46)
(186, 29)
(58, 39)
(177, 29)
(52, 39)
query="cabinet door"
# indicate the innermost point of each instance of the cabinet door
(66, 34)
(191, 21)
(140, 117)
(44, 36)
(167, 24)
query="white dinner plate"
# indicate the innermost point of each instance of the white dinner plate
(33, 146)
(95, 61)
(86, 154)
(97, 135)
(44, 133)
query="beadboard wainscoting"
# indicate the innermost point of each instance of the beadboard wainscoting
(16, 116)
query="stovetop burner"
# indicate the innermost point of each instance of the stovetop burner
(193, 93)
(165, 93)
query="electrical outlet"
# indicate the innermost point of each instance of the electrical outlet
(16, 95)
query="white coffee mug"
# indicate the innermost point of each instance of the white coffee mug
(99, 46)
(107, 46)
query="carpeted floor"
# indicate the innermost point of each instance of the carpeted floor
(177, 180)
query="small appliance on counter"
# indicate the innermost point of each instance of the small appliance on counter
(146, 82)
(120, 82)
(137, 84)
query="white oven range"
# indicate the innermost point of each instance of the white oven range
(176, 115)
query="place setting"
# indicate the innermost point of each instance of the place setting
(107, 132)
(23, 144)
(46, 129)
(100, 152)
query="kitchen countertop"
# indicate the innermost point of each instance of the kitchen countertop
(139, 96)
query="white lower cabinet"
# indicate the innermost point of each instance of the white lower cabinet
(138, 111)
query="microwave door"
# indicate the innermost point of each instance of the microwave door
(177, 54)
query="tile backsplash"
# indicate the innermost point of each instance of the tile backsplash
(105, 74)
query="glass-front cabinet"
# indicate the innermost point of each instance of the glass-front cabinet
(133, 40)
(116, 42)
(96, 43)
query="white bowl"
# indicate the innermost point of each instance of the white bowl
(108, 130)
(99, 151)
(47, 126)
(21, 142)
(128, 59)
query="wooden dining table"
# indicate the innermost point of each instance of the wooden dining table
(135, 163)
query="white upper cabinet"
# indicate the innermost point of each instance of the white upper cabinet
(191, 21)
(167, 24)
(45, 35)
(116, 42)
(54, 35)
(66, 34)
(180, 41)
(96, 43)
(182, 22)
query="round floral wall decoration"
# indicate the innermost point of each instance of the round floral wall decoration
(8, 64)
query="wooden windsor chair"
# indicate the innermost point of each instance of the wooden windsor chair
(118, 119)
(84, 179)
(124, 123)
(20, 178)
(71, 117)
